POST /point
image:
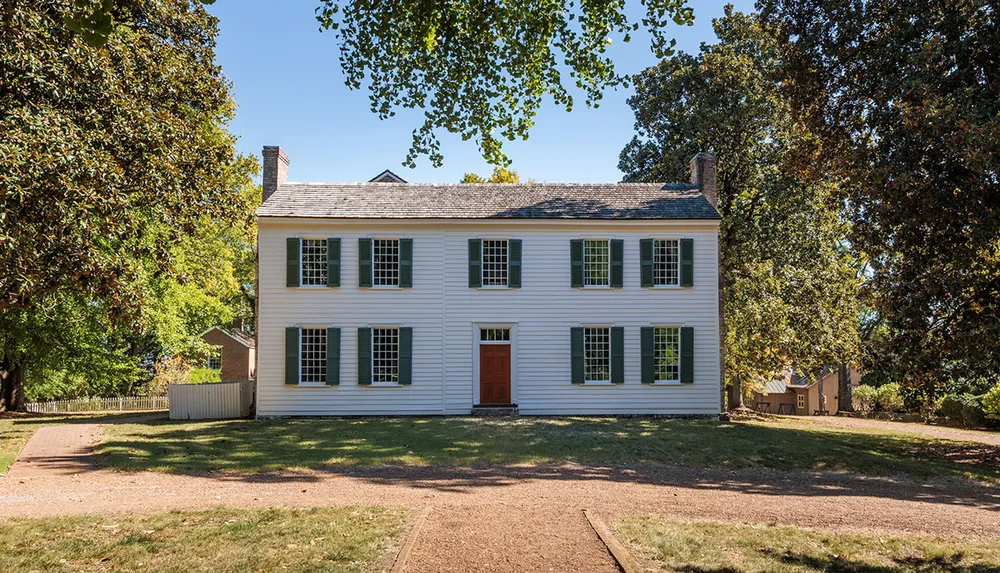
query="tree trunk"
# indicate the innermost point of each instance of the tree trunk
(844, 402)
(821, 401)
(736, 395)
(11, 388)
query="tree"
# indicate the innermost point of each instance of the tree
(109, 157)
(788, 288)
(904, 98)
(500, 175)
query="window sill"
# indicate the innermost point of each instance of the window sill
(312, 385)
(493, 287)
(312, 286)
(385, 385)
(665, 287)
(668, 383)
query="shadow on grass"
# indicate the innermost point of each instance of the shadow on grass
(838, 564)
(464, 453)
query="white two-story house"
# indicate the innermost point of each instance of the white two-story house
(386, 298)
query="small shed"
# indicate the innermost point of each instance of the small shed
(237, 359)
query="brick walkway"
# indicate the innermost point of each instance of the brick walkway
(57, 450)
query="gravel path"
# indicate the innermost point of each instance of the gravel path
(940, 432)
(500, 498)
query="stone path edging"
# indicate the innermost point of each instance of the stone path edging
(404, 552)
(624, 559)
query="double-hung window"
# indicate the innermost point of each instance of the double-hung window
(385, 355)
(666, 262)
(312, 352)
(314, 262)
(385, 262)
(495, 262)
(596, 262)
(666, 354)
(596, 354)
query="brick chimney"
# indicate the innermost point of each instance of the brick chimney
(704, 174)
(275, 169)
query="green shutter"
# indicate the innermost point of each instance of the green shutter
(576, 354)
(646, 262)
(292, 355)
(514, 263)
(687, 262)
(332, 356)
(333, 262)
(292, 248)
(475, 263)
(406, 355)
(406, 263)
(576, 262)
(617, 355)
(687, 355)
(364, 262)
(364, 356)
(617, 263)
(648, 356)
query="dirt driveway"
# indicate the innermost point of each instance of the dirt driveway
(515, 518)
(939, 432)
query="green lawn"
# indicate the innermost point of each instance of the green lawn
(268, 445)
(15, 429)
(666, 545)
(218, 540)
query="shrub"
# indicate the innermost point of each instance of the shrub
(991, 403)
(864, 399)
(965, 408)
(889, 398)
(202, 375)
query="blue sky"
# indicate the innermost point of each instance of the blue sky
(290, 92)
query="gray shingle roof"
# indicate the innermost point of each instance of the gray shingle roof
(488, 201)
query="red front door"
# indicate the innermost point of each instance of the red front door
(494, 374)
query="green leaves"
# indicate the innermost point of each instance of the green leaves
(482, 69)
(904, 98)
(789, 290)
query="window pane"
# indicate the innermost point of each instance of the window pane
(666, 263)
(597, 354)
(385, 262)
(314, 261)
(313, 351)
(495, 263)
(596, 263)
(214, 362)
(385, 355)
(494, 334)
(667, 351)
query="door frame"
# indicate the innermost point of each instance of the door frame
(476, 327)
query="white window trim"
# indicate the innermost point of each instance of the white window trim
(302, 264)
(678, 285)
(476, 327)
(676, 382)
(596, 287)
(482, 264)
(302, 384)
(371, 362)
(399, 264)
(597, 383)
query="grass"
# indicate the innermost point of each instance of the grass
(223, 540)
(15, 429)
(711, 547)
(785, 444)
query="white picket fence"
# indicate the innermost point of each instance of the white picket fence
(120, 404)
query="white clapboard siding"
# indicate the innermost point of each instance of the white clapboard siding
(211, 401)
(442, 310)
